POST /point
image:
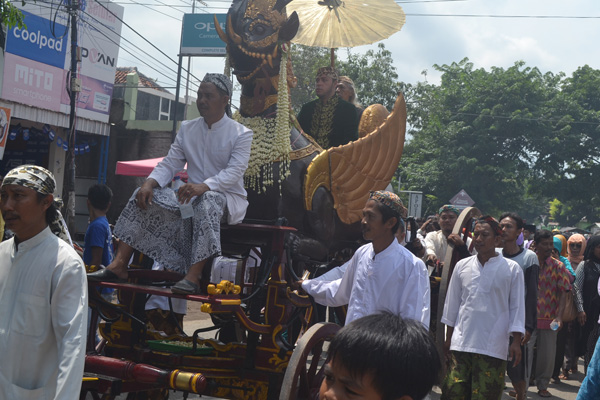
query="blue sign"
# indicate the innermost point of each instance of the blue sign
(199, 36)
(36, 42)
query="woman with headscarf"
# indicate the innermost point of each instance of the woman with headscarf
(587, 298)
(561, 338)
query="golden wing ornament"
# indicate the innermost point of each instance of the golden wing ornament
(351, 171)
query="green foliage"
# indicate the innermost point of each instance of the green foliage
(10, 15)
(373, 73)
(512, 138)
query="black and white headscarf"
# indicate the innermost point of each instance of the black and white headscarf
(223, 83)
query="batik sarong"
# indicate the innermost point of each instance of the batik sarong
(473, 376)
(160, 233)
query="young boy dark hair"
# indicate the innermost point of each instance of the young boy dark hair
(383, 357)
(98, 236)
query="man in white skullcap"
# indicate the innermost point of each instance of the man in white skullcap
(216, 150)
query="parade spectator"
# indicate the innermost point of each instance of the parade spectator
(587, 299)
(43, 294)
(436, 243)
(575, 250)
(381, 357)
(382, 275)
(346, 90)
(330, 120)
(557, 253)
(512, 226)
(98, 248)
(552, 285)
(590, 387)
(561, 337)
(484, 306)
(216, 150)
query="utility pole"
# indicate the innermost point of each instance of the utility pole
(74, 88)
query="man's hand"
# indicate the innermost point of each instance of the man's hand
(189, 190)
(526, 338)
(455, 240)
(424, 226)
(514, 351)
(431, 259)
(143, 197)
(581, 317)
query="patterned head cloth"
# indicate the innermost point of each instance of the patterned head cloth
(328, 71)
(390, 200)
(31, 176)
(221, 81)
(449, 207)
(42, 181)
(492, 222)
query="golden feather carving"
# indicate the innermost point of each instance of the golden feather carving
(351, 171)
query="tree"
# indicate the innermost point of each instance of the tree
(10, 15)
(473, 132)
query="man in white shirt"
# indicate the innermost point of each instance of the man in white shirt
(43, 294)
(436, 243)
(485, 304)
(216, 150)
(382, 275)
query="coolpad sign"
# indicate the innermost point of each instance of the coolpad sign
(37, 43)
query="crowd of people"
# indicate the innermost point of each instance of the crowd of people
(505, 311)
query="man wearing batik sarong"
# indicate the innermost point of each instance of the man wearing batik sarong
(216, 150)
(485, 304)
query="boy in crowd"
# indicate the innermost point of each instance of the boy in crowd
(381, 356)
(98, 248)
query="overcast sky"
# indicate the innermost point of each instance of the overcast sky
(551, 44)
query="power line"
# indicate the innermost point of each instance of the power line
(146, 40)
(504, 16)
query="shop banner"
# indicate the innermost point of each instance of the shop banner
(33, 83)
(4, 127)
(36, 42)
(199, 36)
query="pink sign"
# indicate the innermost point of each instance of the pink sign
(32, 83)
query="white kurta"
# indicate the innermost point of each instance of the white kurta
(437, 244)
(217, 156)
(43, 319)
(485, 304)
(393, 280)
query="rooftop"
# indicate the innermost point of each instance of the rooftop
(121, 78)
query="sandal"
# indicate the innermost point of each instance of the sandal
(564, 375)
(544, 393)
(512, 393)
(185, 287)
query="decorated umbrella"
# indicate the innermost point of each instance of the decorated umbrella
(349, 23)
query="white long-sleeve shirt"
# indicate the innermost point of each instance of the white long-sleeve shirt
(393, 280)
(485, 304)
(43, 319)
(217, 156)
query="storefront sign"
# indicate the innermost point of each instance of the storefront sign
(199, 36)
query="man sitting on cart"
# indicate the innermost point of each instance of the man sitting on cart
(216, 150)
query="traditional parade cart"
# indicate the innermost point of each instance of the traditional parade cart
(259, 364)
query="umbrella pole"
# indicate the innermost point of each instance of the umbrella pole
(332, 57)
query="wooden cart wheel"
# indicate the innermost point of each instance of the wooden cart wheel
(304, 372)
(464, 221)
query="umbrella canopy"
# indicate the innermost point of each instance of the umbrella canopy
(141, 168)
(349, 23)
